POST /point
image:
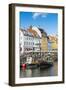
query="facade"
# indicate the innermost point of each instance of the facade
(44, 40)
(26, 41)
(37, 38)
(29, 41)
(49, 45)
(53, 40)
(36, 43)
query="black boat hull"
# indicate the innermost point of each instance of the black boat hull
(31, 65)
(45, 64)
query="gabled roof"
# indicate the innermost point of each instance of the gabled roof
(27, 33)
(42, 31)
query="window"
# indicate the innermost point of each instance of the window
(27, 38)
(27, 43)
(33, 43)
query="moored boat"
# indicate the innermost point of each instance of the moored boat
(30, 63)
(45, 64)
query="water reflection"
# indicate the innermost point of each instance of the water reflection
(52, 71)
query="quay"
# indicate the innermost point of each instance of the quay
(38, 59)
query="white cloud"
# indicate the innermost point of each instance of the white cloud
(44, 15)
(35, 15)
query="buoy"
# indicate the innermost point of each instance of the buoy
(23, 65)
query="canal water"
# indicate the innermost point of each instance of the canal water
(37, 72)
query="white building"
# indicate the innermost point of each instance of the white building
(37, 37)
(29, 41)
(37, 30)
(37, 43)
(26, 41)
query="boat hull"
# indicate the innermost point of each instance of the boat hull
(45, 64)
(31, 65)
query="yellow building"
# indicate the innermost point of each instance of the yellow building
(44, 41)
(44, 44)
(54, 42)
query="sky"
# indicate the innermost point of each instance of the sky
(47, 21)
